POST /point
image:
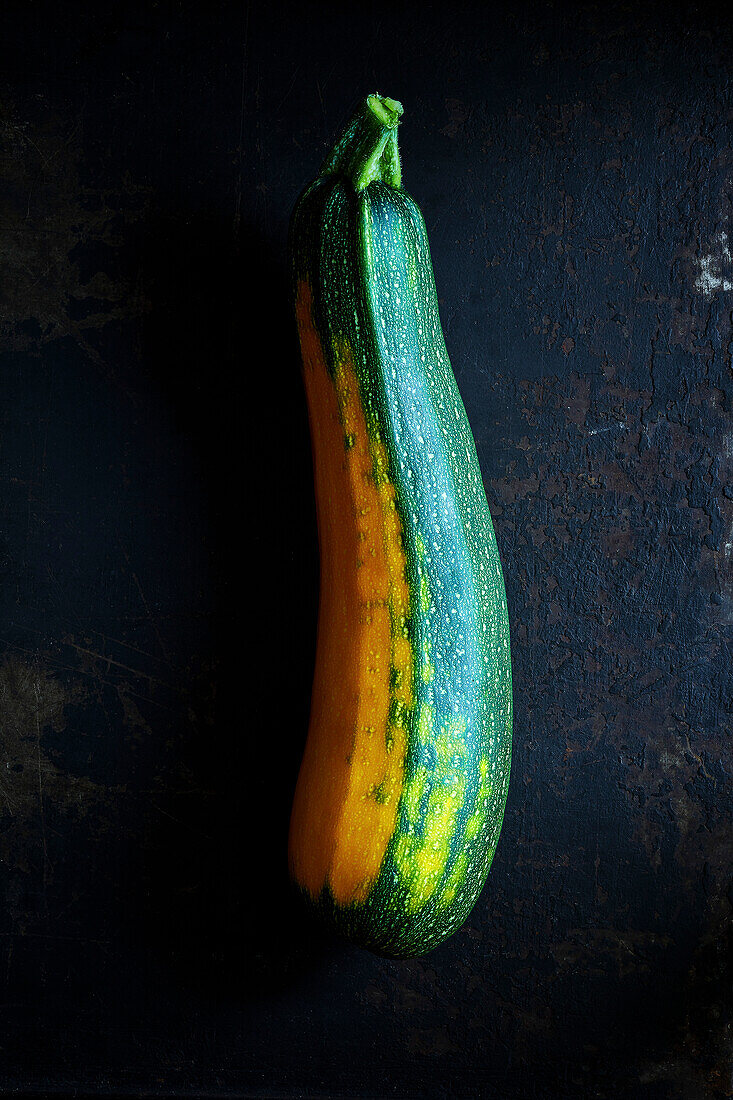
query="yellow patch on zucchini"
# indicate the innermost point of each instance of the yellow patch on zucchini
(421, 858)
(348, 792)
(456, 880)
(425, 724)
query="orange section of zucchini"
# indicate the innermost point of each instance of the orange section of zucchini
(351, 777)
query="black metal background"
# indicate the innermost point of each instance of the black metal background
(159, 557)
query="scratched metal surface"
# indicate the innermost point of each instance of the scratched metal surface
(159, 565)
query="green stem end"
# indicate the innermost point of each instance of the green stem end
(367, 150)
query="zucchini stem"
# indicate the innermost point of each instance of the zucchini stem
(367, 149)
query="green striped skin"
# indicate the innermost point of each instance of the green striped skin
(360, 242)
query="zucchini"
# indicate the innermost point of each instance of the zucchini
(402, 788)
